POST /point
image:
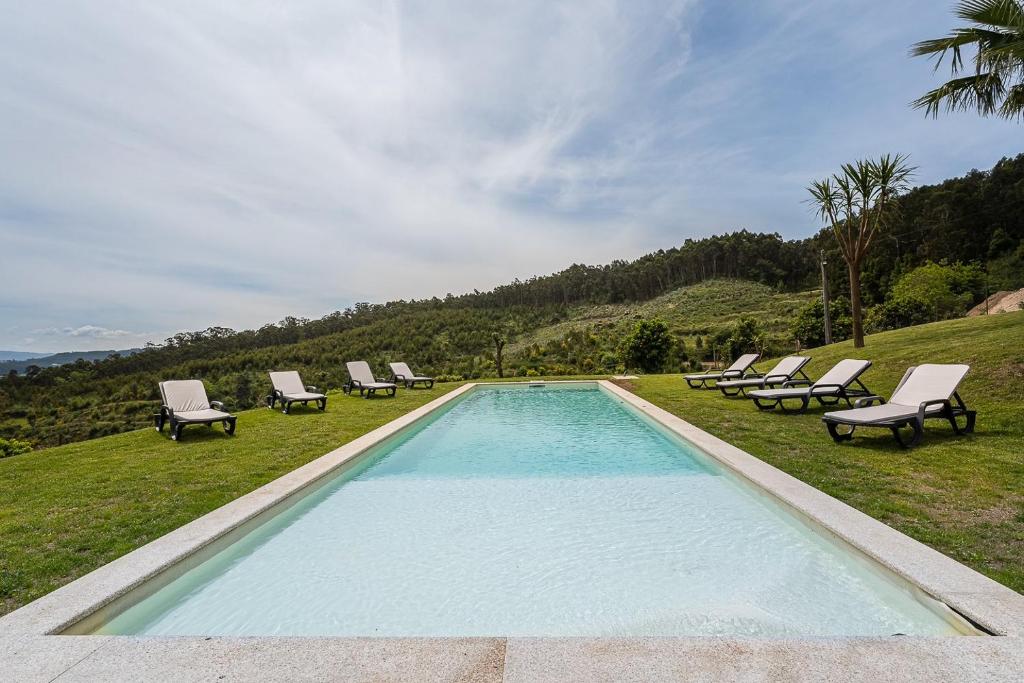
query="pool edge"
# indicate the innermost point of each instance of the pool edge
(26, 644)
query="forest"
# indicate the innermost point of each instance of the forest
(976, 220)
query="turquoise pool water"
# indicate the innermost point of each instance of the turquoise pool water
(518, 511)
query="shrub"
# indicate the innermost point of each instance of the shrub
(647, 346)
(896, 313)
(946, 291)
(9, 447)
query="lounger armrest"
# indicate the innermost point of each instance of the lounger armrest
(310, 387)
(797, 383)
(167, 410)
(867, 401)
(923, 408)
(833, 387)
(729, 374)
(769, 379)
(397, 378)
(385, 380)
(753, 375)
(217, 405)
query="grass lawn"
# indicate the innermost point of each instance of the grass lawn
(963, 496)
(65, 511)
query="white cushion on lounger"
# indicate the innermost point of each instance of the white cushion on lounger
(844, 372)
(402, 370)
(287, 382)
(741, 363)
(887, 411)
(780, 393)
(359, 371)
(929, 382)
(199, 415)
(786, 367)
(184, 395)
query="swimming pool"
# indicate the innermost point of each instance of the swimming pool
(550, 511)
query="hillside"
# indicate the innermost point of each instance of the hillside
(20, 365)
(961, 495)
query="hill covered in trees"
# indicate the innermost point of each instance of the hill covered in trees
(567, 322)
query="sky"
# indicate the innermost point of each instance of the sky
(170, 166)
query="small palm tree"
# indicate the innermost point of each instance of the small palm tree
(997, 85)
(857, 202)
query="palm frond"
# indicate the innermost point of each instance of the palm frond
(1008, 14)
(1013, 103)
(983, 92)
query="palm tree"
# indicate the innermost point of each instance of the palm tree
(997, 38)
(858, 202)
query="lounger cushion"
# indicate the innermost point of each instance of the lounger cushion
(752, 382)
(929, 382)
(287, 382)
(377, 385)
(184, 395)
(880, 413)
(360, 372)
(791, 392)
(844, 372)
(741, 363)
(208, 414)
(303, 396)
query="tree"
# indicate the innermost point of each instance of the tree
(499, 346)
(996, 35)
(857, 203)
(809, 325)
(647, 346)
(945, 291)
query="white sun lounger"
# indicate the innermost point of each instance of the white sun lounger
(925, 392)
(361, 378)
(784, 371)
(834, 386)
(735, 371)
(288, 389)
(400, 372)
(185, 402)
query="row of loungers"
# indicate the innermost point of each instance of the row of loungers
(185, 402)
(925, 392)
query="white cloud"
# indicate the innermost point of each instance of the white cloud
(187, 164)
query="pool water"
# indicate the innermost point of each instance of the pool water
(555, 511)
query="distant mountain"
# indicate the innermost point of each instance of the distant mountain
(20, 365)
(22, 355)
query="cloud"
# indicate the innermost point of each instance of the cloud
(90, 331)
(180, 165)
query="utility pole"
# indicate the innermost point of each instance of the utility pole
(824, 299)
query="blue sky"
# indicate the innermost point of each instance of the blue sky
(178, 165)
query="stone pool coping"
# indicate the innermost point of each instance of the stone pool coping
(30, 650)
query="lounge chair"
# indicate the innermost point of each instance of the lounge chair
(735, 371)
(400, 372)
(288, 389)
(925, 392)
(185, 403)
(361, 378)
(833, 387)
(784, 371)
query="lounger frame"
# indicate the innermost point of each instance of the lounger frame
(366, 392)
(276, 395)
(411, 382)
(167, 416)
(832, 396)
(767, 381)
(953, 408)
(710, 380)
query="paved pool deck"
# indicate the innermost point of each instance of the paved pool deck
(32, 650)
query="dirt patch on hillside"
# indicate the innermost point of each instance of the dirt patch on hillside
(1000, 302)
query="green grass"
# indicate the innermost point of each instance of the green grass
(963, 496)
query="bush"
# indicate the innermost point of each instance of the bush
(946, 291)
(647, 346)
(809, 326)
(746, 336)
(9, 447)
(896, 313)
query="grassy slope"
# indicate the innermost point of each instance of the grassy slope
(961, 495)
(704, 307)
